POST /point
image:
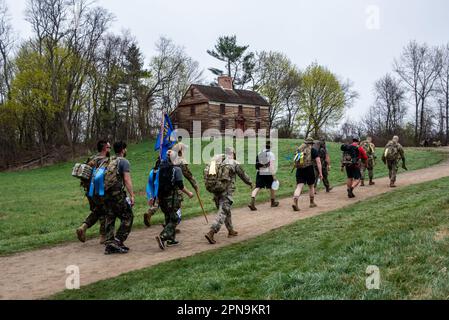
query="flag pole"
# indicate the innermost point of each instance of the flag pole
(162, 135)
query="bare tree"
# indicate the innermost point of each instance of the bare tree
(419, 67)
(443, 93)
(389, 105)
(6, 45)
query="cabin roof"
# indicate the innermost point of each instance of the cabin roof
(218, 94)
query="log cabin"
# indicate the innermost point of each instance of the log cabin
(222, 108)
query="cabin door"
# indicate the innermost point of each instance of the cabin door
(240, 124)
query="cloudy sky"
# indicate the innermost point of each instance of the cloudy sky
(357, 39)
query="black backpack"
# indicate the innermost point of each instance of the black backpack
(166, 179)
(350, 155)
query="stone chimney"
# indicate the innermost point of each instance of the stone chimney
(225, 82)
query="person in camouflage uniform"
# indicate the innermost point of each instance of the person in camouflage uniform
(178, 160)
(326, 165)
(223, 201)
(119, 205)
(370, 149)
(393, 153)
(171, 187)
(96, 204)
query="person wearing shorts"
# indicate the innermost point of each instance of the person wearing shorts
(306, 175)
(353, 171)
(265, 176)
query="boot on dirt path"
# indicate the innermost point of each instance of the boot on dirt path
(160, 243)
(210, 237)
(274, 203)
(295, 205)
(371, 182)
(252, 204)
(312, 203)
(232, 233)
(392, 185)
(81, 232)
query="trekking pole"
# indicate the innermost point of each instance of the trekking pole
(202, 205)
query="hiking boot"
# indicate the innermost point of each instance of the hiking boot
(392, 185)
(252, 204)
(295, 205)
(274, 203)
(232, 233)
(210, 237)
(351, 193)
(160, 243)
(172, 243)
(329, 189)
(81, 232)
(312, 203)
(113, 248)
(371, 183)
(122, 245)
(147, 219)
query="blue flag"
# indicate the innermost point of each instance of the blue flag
(166, 142)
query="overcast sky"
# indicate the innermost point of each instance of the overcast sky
(347, 36)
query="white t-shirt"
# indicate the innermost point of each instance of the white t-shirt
(266, 157)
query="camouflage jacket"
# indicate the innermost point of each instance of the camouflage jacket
(400, 151)
(236, 170)
(370, 149)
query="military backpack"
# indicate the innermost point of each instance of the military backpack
(391, 151)
(166, 186)
(350, 155)
(217, 176)
(303, 157)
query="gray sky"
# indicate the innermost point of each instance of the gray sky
(340, 34)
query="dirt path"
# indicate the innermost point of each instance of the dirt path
(40, 273)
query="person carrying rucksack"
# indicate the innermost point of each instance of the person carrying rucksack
(170, 191)
(96, 203)
(393, 153)
(370, 150)
(117, 181)
(325, 164)
(265, 176)
(305, 157)
(219, 177)
(353, 155)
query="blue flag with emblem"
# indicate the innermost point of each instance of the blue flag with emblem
(164, 143)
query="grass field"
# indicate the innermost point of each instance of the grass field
(404, 233)
(43, 207)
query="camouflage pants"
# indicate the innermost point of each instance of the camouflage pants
(223, 204)
(97, 213)
(325, 177)
(370, 169)
(118, 207)
(189, 176)
(169, 206)
(393, 167)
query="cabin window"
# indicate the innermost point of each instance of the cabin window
(222, 125)
(257, 111)
(240, 110)
(192, 110)
(222, 109)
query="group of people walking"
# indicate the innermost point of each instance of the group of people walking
(165, 188)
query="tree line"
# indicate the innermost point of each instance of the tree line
(75, 81)
(411, 101)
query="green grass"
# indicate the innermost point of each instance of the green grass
(324, 257)
(43, 207)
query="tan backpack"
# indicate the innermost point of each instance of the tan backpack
(217, 176)
(303, 157)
